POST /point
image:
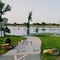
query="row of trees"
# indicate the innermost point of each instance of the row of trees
(42, 23)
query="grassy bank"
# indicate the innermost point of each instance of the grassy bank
(49, 41)
(14, 41)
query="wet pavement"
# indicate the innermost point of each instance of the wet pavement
(28, 57)
(26, 50)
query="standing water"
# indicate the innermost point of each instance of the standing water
(17, 30)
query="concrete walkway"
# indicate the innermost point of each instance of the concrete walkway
(26, 50)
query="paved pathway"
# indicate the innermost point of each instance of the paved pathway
(26, 50)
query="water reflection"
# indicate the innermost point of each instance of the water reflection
(16, 30)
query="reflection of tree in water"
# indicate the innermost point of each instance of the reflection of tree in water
(43, 29)
(18, 28)
(37, 30)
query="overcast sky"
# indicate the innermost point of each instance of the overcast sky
(42, 11)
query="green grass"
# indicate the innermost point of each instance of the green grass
(48, 57)
(49, 41)
(14, 42)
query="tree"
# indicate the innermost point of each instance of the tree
(28, 24)
(43, 23)
(15, 23)
(36, 23)
(3, 10)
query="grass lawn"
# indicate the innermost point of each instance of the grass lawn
(14, 41)
(49, 41)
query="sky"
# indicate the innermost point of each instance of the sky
(42, 11)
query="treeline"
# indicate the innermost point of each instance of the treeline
(43, 23)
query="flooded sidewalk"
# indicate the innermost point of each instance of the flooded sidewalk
(26, 50)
